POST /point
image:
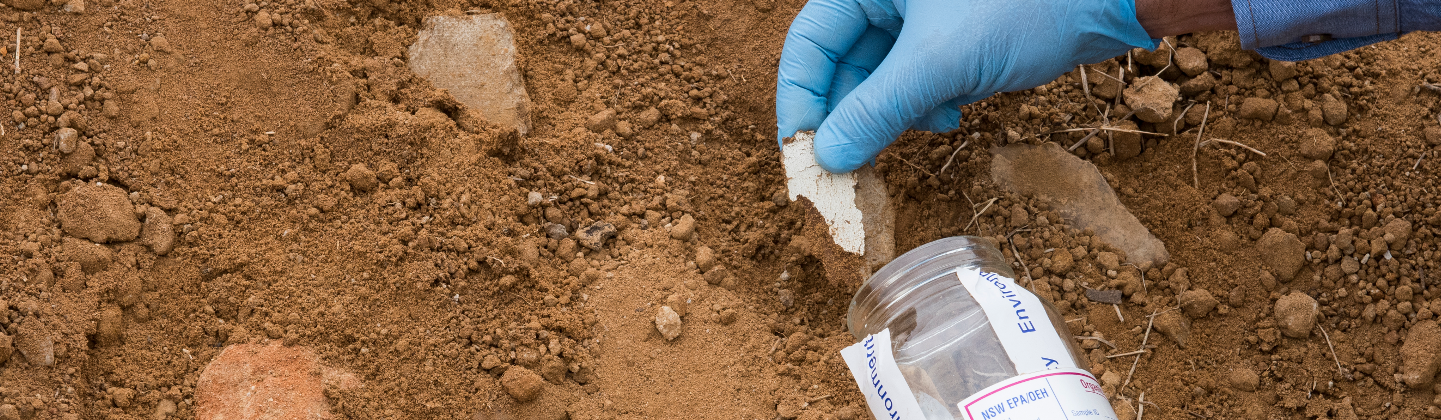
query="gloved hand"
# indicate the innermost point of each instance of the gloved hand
(861, 71)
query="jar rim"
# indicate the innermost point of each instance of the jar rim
(911, 272)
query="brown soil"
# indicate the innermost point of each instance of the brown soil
(242, 121)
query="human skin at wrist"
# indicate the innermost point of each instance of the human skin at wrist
(1163, 18)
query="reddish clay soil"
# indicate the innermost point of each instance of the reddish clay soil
(322, 197)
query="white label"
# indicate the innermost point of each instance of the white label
(875, 370)
(1020, 321)
(1070, 394)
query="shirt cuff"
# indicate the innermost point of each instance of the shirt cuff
(1296, 26)
(1301, 51)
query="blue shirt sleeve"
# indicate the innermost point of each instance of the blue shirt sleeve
(1292, 30)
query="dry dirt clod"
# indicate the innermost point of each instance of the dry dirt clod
(601, 121)
(158, 232)
(7, 347)
(1151, 98)
(26, 5)
(98, 212)
(93, 257)
(1259, 109)
(35, 342)
(1282, 252)
(1317, 144)
(1400, 231)
(1191, 61)
(1226, 204)
(9, 412)
(1296, 314)
(1197, 302)
(1432, 135)
(1243, 379)
(1175, 327)
(360, 177)
(667, 321)
(1421, 354)
(704, 258)
(683, 229)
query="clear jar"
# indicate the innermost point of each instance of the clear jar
(944, 344)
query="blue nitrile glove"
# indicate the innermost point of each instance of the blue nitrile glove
(861, 71)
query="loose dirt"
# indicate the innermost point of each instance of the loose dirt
(272, 173)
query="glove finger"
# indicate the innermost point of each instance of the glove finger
(902, 90)
(943, 118)
(820, 35)
(858, 63)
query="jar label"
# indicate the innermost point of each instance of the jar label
(1020, 321)
(1049, 394)
(874, 367)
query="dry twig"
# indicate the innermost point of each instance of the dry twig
(1195, 174)
(953, 157)
(1339, 370)
(1144, 339)
(978, 213)
(1234, 143)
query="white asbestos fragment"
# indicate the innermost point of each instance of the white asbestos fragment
(855, 205)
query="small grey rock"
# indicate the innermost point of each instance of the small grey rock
(1110, 297)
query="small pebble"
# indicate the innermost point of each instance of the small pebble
(667, 321)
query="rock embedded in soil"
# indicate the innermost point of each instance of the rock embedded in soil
(1174, 326)
(98, 212)
(1127, 145)
(35, 342)
(253, 382)
(474, 58)
(1151, 98)
(595, 235)
(1296, 314)
(1421, 354)
(1243, 379)
(26, 5)
(360, 177)
(667, 321)
(1333, 110)
(1191, 61)
(66, 139)
(1317, 144)
(158, 232)
(1282, 252)
(1198, 84)
(1399, 230)
(683, 229)
(1196, 303)
(1078, 191)
(1226, 204)
(601, 121)
(93, 257)
(1110, 297)
(1259, 109)
(704, 258)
